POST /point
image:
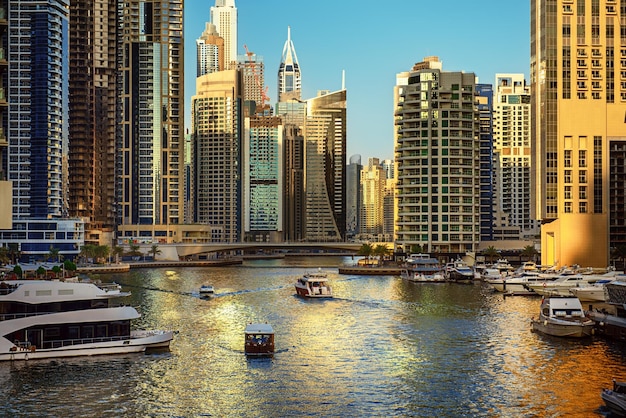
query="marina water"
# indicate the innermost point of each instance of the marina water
(381, 347)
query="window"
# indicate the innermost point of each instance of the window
(582, 176)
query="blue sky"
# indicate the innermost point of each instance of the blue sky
(372, 41)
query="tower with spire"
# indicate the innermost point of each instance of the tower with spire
(289, 78)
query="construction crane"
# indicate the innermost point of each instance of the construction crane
(252, 63)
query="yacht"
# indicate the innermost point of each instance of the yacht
(519, 284)
(563, 317)
(42, 319)
(314, 285)
(422, 268)
(458, 271)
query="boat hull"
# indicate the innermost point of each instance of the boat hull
(305, 293)
(140, 341)
(511, 288)
(615, 402)
(573, 330)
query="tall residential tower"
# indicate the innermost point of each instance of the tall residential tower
(437, 159)
(578, 85)
(151, 132)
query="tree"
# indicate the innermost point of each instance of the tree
(117, 252)
(87, 251)
(416, 249)
(154, 250)
(381, 251)
(18, 271)
(366, 250)
(101, 252)
(55, 254)
(69, 266)
(41, 272)
(491, 252)
(14, 253)
(133, 250)
(529, 252)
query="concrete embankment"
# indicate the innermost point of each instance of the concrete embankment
(371, 271)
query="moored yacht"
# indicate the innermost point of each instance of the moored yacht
(423, 268)
(458, 271)
(49, 318)
(563, 317)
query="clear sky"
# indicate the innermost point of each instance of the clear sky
(372, 41)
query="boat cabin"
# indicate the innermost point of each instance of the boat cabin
(259, 340)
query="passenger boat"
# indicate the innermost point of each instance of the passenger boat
(42, 319)
(314, 285)
(562, 317)
(615, 399)
(206, 289)
(422, 268)
(458, 271)
(259, 340)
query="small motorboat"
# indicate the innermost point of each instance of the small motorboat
(314, 285)
(615, 399)
(259, 340)
(206, 289)
(563, 317)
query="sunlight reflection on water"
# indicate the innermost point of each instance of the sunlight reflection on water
(382, 347)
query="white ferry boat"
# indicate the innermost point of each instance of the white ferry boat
(314, 285)
(42, 319)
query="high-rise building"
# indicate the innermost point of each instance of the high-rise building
(224, 17)
(151, 130)
(484, 98)
(289, 77)
(92, 116)
(512, 148)
(325, 166)
(209, 51)
(578, 102)
(263, 179)
(353, 196)
(6, 190)
(217, 126)
(37, 127)
(373, 181)
(437, 159)
(253, 69)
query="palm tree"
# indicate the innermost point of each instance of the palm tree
(102, 252)
(14, 253)
(491, 252)
(529, 252)
(117, 252)
(154, 250)
(55, 254)
(381, 251)
(366, 250)
(88, 251)
(133, 250)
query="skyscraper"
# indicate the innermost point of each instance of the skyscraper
(209, 51)
(437, 159)
(217, 121)
(263, 179)
(253, 70)
(353, 196)
(373, 181)
(151, 147)
(485, 138)
(578, 84)
(6, 201)
(325, 157)
(289, 77)
(512, 148)
(37, 127)
(224, 17)
(92, 116)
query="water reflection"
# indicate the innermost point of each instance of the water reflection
(381, 347)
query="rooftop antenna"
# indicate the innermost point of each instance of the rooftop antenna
(343, 79)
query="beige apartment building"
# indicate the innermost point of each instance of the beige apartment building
(578, 84)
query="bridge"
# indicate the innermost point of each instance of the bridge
(179, 251)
